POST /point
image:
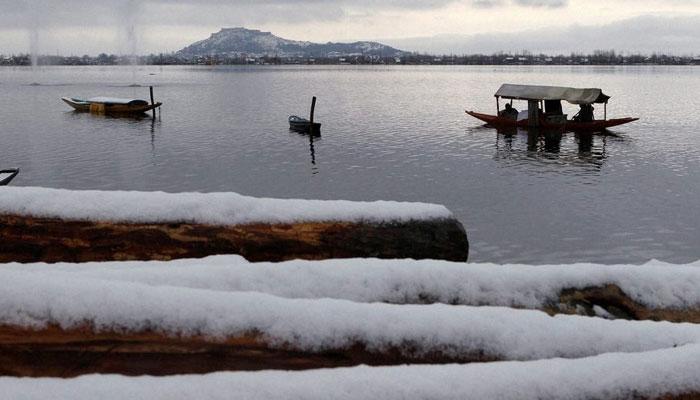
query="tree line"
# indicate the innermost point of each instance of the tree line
(598, 57)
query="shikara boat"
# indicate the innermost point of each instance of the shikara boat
(111, 105)
(545, 110)
(7, 175)
(303, 125)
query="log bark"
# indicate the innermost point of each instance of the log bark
(616, 302)
(54, 352)
(30, 239)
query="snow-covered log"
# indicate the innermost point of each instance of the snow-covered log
(655, 290)
(76, 325)
(53, 225)
(670, 374)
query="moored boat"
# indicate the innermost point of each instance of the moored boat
(572, 126)
(545, 110)
(303, 125)
(7, 175)
(111, 105)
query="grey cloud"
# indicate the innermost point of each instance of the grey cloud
(542, 3)
(107, 18)
(487, 3)
(646, 34)
(65, 13)
(522, 3)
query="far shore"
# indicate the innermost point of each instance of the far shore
(602, 59)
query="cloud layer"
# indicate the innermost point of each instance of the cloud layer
(92, 26)
(646, 34)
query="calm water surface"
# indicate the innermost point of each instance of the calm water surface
(395, 133)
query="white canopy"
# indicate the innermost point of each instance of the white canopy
(572, 95)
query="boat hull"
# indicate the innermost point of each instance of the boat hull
(569, 126)
(7, 175)
(109, 108)
(77, 104)
(302, 125)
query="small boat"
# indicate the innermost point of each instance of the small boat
(7, 175)
(110, 105)
(303, 125)
(545, 111)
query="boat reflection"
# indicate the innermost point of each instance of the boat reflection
(127, 117)
(548, 147)
(139, 123)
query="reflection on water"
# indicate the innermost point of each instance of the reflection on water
(547, 146)
(312, 148)
(314, 167)
(393, 133)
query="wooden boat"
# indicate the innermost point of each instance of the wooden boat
(110, 105)
(570, 126)
(545, 111)
(7, 175)
(303, 125)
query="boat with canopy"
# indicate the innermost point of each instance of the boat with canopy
(545, 109)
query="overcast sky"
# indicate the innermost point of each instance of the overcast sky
(444, 26)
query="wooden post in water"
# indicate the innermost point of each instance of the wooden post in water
(605, 111)
(150, 89)
(533, 118)
(311, 116)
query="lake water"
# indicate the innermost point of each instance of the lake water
(396, 133)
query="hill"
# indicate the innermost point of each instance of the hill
(240, 41)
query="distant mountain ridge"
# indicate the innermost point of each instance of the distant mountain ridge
(242, 41)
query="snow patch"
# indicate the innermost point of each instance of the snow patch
(206, 208)
(654, 284)
(111, 100)
(601, 312)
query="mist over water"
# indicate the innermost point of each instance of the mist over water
(130, 17)
(34, 47)
(33, 25)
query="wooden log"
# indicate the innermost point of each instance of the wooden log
(617, 303)
(581, 301)
(54, 352)
(31, 239)
(681, 396)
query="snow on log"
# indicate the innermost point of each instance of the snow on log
(656, 290)
(77, 325)
(52, 225)
(670, 374)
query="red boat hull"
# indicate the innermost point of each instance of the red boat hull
(570, 126)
